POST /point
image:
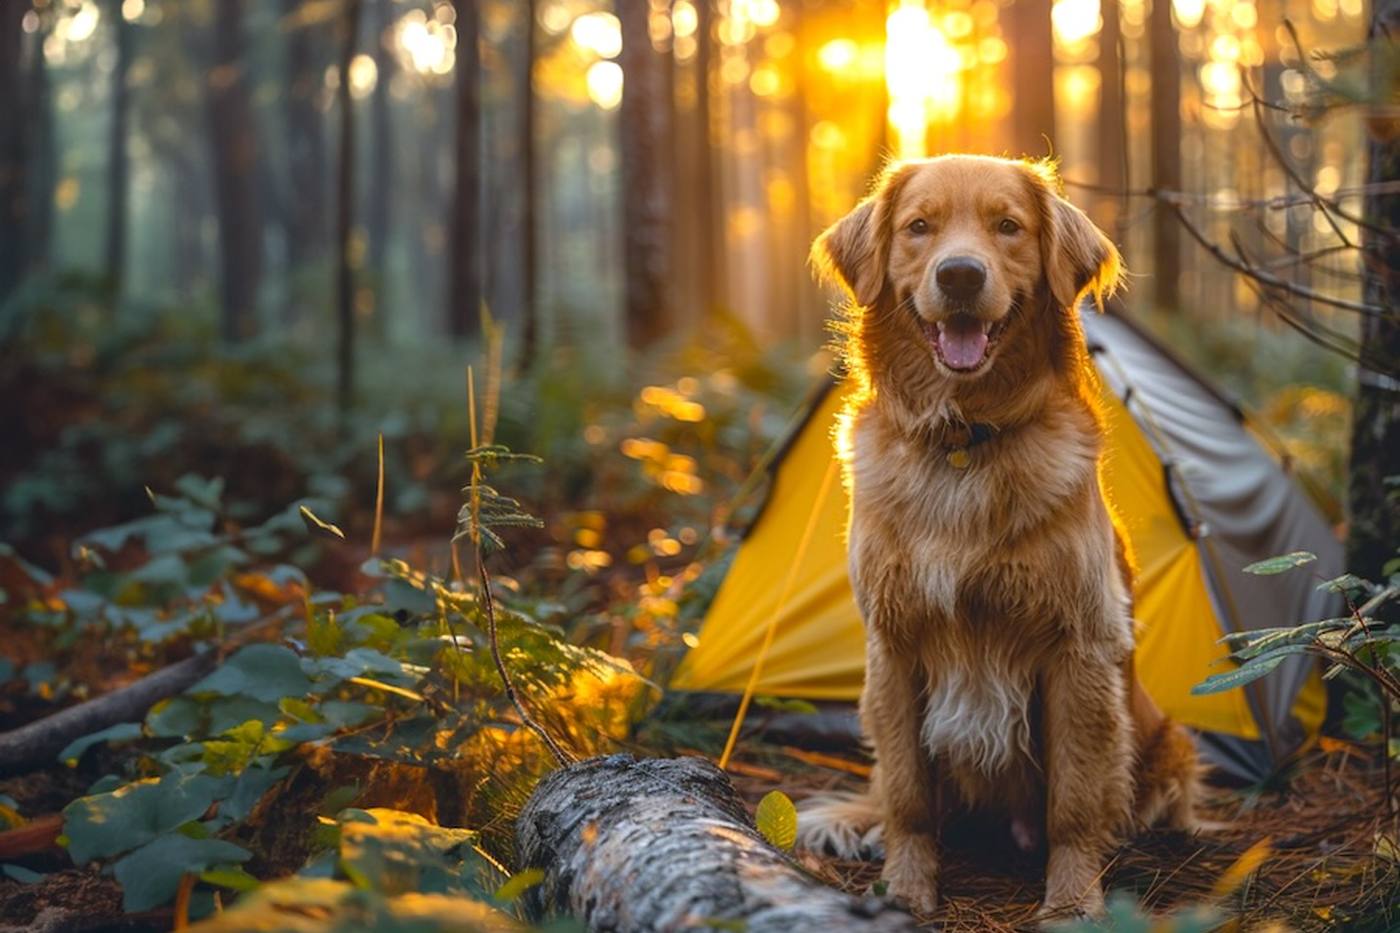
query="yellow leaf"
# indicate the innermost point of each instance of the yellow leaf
(776, 819)
(519, 883)
(10, 817)
(1244, 866)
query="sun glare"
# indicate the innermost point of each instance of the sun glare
(605, 84)
(428, 45)
(1075, 21)
(922, 74)
(600, 33)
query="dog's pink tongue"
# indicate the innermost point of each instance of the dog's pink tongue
(962, 343)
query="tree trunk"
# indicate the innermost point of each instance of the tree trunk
(345, 217)
(1166, 153)
(1112, 125)
(666, 844)
(464, 299)
(1374, 530)
(708, 232)
(118, 162)
(306, 215)
(234, 154)
(42, 174)
(1032, 42)
(378, 213)
(14, 151)
(646, 210)
(529, 171)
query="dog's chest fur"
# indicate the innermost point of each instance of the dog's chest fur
(980, 571)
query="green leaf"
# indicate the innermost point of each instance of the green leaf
(21, 874)
(150, 876)
(776, 819)
(262, 672)
(1281, 563)
(396, 852)
(518, 884)
(338, 799)
(782, 705)
(232, 877)
(1346, 583)
(250, 787)
(318, 527)
(162, 569)
(409, 596)
(121, 732)
(228, 712)
(106, 824)
(1247, 673)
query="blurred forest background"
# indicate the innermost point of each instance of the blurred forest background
(253, 224)
(253, 254)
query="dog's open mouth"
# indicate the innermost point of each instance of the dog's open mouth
(962, 342)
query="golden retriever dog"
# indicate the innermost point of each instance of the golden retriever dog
(993, 583)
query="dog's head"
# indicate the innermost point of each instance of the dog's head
(971, 250)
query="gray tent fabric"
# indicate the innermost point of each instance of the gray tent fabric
(1239, 504)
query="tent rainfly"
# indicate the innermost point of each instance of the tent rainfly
(1200, 498)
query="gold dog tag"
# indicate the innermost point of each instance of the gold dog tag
(959, 458)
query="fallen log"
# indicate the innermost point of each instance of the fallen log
(37, 744)
(666, 844)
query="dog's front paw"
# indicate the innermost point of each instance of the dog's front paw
(1053, 919)
(1059, 907)
(1072, 886)
(911, 872)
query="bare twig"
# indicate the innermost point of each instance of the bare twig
(378, 503)
(1268, 279)
(38, 743)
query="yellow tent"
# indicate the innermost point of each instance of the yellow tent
(1200, 499)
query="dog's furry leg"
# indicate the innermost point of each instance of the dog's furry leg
(904, 782)
(1089, 758)
(1168, 779)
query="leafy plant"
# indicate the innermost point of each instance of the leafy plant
(1359, 642)
(412, 673)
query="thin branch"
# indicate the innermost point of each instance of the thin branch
(1327, 205)
(1278, 202)
(1268, 279)
(1249, 262)
(1272, 145)
(1288, 315)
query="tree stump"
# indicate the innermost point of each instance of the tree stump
(666, 844)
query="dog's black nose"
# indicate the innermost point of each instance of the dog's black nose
(961, 277)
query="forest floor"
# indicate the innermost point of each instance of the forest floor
(1304, 858)
(1308, 856)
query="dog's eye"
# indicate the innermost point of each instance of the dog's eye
(918, 226)
(1008, 226)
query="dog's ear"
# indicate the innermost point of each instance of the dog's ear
(1078, 257)
(854, 250)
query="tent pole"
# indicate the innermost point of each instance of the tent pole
(784, 594)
